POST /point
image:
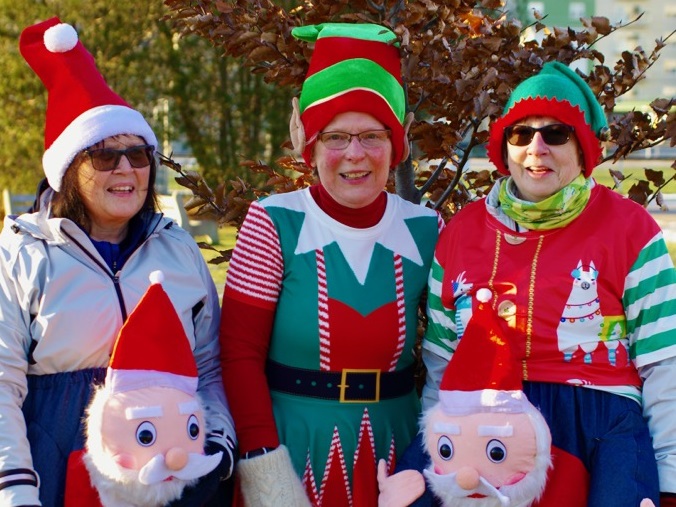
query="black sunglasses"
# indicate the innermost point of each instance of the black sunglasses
(107, 159)
(554, 135)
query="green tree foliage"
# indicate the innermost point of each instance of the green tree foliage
(21, 106)
(121, 54)
(225, 113)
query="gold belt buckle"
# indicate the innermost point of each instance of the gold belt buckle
(344, 385)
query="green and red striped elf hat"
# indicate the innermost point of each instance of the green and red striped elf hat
(354, 67)
(559, 92)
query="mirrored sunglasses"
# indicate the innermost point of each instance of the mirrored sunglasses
(368, 139)
(554, 135)
(107, 159)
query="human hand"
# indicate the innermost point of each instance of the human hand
(207, 486)
(400, 489)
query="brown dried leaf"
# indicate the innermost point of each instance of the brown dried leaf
(655, 177)
(639, 192)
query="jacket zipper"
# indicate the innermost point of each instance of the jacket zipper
(115, 276)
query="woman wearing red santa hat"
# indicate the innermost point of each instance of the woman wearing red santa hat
(75, 267)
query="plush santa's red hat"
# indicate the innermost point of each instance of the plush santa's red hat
(81, 108)
(482, 375)
(152, 349)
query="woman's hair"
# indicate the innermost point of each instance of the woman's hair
(67, 203)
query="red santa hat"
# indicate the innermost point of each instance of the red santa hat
(152, 349)
(82, 110)
(482, 375)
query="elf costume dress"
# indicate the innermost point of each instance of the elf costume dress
(342, 303)
(320, 310)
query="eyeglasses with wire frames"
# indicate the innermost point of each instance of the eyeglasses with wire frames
(368, 139)
(555, 134)
(107, 159)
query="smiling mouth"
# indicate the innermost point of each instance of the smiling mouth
(125, 189)
(538, 170)
(354, 175)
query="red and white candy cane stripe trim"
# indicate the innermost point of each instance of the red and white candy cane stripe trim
(323, 302)
(401, 309)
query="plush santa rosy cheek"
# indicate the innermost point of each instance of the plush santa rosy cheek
(514, 479)
(125, 460)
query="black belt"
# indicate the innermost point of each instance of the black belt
(346, 386)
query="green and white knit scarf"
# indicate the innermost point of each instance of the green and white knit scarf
(553, 212)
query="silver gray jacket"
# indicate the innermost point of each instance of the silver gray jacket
(61, 308)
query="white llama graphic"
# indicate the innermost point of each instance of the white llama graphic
(581, 318)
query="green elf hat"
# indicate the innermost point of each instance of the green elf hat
(558, 92)
(354, 67)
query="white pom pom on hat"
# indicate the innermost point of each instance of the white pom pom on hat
(156, 277)
(484, 295)
(60, 38)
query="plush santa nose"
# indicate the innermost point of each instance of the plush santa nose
(467, 478)
(176, 458)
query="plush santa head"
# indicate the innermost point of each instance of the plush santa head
(490, 447)
(145, 425)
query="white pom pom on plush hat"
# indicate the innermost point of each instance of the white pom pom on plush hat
(82, 110)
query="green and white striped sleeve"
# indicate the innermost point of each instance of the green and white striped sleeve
(650, 305)
(649, 300)
(440, 337)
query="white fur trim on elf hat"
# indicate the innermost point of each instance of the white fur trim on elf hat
(89, 128)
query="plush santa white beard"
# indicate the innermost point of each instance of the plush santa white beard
(125, 490)
(122, 487)
(520, 494)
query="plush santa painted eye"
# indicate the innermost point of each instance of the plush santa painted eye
(496, 451)
(445, 448)
(193, 427)
(146, 434)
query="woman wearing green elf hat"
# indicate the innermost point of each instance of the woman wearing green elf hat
(320, 304)
(584, 276)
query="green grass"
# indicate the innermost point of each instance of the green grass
(602, 176)
(226, 239)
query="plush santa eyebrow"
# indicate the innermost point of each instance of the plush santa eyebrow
(141, 412)
(446, 428)
(495, 431)
(188, 407)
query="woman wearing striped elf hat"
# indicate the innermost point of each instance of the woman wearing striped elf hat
(586, 276)
(319, 310)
